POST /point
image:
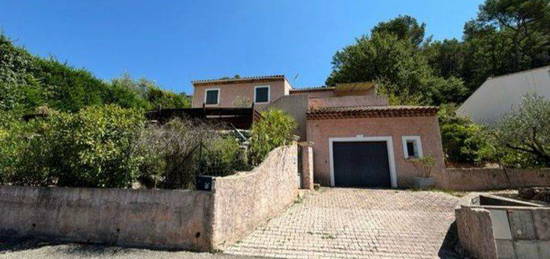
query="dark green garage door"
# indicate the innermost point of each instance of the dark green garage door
(361, 164)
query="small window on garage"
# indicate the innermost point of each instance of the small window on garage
(212, 96)
(261, 94)
(412, 147)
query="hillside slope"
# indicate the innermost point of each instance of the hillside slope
(28, 82)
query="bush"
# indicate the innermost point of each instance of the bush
(463, 141)
(17, 139)
(95, 147)
(274, 130)
(424, 165)
(91, 148)
(222, 156)
(109, 146)
(168, 151)
(181, 149)
(522, 137)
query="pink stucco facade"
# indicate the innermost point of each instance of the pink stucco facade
(427, 127)
(347, 111)
(239, 94)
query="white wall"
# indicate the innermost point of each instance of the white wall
(496, 96)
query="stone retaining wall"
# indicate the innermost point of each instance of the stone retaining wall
(172, 219)
(478, 179)
(245, 200)
(137, 218)
(513, 230)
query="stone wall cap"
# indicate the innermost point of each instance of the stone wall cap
(305, 143)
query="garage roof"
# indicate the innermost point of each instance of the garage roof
(370, 111)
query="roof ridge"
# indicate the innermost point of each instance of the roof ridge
(237, 79)
(518, 72)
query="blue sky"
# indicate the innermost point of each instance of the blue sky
(174, 42)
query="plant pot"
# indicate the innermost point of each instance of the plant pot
(424, 182)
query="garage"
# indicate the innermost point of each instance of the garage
(361, 164)
(348, 144)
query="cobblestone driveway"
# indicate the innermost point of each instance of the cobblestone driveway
(337, 222)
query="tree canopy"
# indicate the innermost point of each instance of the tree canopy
(523, 135)
(507, 36)
(398, 66)
(404, 27)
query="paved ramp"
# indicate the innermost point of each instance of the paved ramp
(340, 222)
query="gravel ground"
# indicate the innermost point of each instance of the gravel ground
(37, 249)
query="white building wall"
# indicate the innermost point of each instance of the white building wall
(496, 96)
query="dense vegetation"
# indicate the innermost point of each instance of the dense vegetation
(28, 82)
(174, 153)
(93, 147)
(110, 146)
(275, 129)
(463, 141)
(522, 138)
(507, 36)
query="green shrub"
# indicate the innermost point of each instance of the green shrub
(222, 156)
(143, 93)
(110, 147)
(91, 148)
(424, 165)
(19, 89)
(274, 130)
(463, 141)
(23, 152)
(522, 137)
(95, 147)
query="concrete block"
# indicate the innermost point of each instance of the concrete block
(521, 225)
(541, 218)
(475, 232)
(501, 228)
(505, 249)
(526, 249)
(544, 249)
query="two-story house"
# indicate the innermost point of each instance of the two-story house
(358, 139)
(240, 92)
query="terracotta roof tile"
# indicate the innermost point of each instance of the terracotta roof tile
(370, 111)
(242, 79)
(311, 89)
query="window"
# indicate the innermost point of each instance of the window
(212, 96)
(261, 94)
(412, 147)
(412, 150)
